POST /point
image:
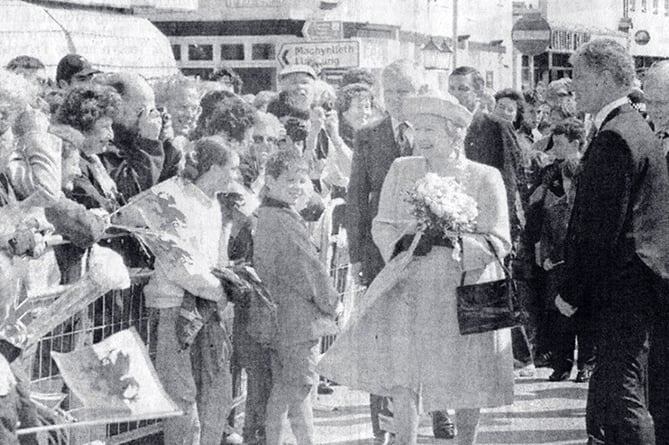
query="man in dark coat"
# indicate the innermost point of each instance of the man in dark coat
(616, 250)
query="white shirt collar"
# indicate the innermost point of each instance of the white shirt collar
(604, 112)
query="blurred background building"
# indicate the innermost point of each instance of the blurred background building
(257, 37)
(638, 24)
(106, 32)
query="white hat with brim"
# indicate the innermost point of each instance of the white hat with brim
(298, 69)
(416, 106)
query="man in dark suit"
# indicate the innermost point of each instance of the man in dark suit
(375, 148)
(656, 90)
(616, 250)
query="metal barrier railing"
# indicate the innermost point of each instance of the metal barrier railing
(118, 310)
(111, 313)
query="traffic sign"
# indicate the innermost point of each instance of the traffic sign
(322, 30)
(339, 54)
(531, 34)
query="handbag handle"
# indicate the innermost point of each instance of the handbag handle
(507, 272)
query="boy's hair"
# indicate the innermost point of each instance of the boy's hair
(233, 117)
(572, 129)
(358, 75)
(207, 152)
(283, 161)
(350, 91)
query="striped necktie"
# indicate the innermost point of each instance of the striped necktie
(405, 138)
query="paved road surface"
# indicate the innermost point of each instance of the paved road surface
(543, 413)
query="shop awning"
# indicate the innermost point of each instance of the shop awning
(111, 41)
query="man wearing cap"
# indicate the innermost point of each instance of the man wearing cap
(74, 69)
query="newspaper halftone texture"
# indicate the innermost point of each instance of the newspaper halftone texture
(115, 380)
(174, 219)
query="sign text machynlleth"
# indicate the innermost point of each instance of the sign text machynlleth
(339, 54)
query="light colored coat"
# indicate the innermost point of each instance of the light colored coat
(287, 262)
(406, 332)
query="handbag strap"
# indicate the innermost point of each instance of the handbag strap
(507, 272)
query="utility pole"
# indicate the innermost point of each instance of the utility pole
(455, 34)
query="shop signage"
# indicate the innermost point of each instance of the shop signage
(322, 30)
(337, 54)
(531, 34)
(642, 37)
(240, 4)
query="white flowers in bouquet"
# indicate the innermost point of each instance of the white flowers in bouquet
(442, 207)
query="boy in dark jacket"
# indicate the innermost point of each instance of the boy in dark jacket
(287, 262)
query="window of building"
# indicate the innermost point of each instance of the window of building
(644, 5)
(232, 52)
(176, 51)
(656, 6)
(666, 7)
(200, 52)
(202, 73)
(490, 79)
(263, 51)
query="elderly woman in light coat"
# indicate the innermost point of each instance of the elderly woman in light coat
(405, 341)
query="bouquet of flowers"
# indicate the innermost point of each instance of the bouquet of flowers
(442, 208)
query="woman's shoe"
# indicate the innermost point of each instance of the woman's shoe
(559, 376)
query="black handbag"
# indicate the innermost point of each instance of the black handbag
(488, 306)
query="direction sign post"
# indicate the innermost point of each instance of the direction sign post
(323, 30)
(531, 35)
(336, 54)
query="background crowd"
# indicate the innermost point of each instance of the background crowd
(76, 149)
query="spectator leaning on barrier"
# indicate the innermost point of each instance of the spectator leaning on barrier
(195, 373)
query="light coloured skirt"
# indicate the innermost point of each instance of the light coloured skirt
(407, 335)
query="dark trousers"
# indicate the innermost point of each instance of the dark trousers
(523, 338)
(565, 331)
(617, 397)
(658, 377)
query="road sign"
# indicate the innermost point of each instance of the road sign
(339, 54)
(531, 35)
(322, 30)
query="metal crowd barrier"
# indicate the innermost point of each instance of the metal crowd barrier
(111, 313)
(119, 310)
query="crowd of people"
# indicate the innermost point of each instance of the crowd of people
(570, 183)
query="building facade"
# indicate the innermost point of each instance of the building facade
(106, 32)
(257, 37)
(637, 24)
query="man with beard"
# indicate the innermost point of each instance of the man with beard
(296, 86)
(375, 149)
